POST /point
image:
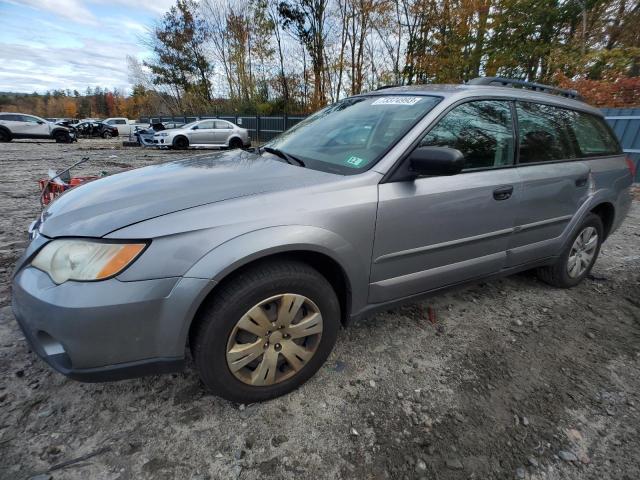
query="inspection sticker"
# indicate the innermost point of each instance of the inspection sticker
(354, 161)
(397, 101)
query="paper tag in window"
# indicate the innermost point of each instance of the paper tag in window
(408, 101)
(354, 161)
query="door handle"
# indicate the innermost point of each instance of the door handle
(503, 193)
(581, 182)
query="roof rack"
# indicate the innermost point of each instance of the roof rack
(386, 86)
(537, 87)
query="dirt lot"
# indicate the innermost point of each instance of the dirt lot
(514, 380)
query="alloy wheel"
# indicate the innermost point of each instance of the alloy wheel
(274, 340)
(582, 252)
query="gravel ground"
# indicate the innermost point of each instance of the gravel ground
(514, 379)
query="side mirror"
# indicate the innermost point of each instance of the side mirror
(436, 161)
(40, 122)
(195, 127)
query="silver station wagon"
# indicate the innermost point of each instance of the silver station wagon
(250, 262)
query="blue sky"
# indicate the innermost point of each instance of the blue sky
(72, 44)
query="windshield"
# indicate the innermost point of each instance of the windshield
(353, 134)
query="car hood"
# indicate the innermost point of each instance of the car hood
(102, 206)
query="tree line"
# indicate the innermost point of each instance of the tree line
(95, 102)
(294, 56)
(272, 56)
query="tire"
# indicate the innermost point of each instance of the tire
(4, 136)
(217, 330)
(106, 135)
(61, 137)
(181, 143)
(235, 143)
(559, 274)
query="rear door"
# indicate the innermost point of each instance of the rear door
(222, 131)
(554, 180)
(437, 231)
(13, 122)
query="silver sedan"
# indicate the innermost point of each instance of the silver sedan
(204, 133)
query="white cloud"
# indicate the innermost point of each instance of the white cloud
(74, 10)
(156, 7)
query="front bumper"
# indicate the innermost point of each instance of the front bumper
(107, 330)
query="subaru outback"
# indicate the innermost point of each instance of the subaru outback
(250, 261)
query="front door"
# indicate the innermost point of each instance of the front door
(437, 231)
(33, 127)
(204, 134)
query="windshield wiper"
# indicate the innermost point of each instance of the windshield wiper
(285, 156)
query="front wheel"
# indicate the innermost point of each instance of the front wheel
(266, 332)
(578, 258)
(107, 135)
(181, 143)
(61, 137)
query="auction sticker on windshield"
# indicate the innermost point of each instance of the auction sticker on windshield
(354, 161)
(397, 101)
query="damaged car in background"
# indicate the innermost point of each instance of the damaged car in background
(144, 136)
(22, 126)
(95, 129)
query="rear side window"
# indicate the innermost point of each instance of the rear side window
(221, 125)
(544, 133)
(481, 130)
(593, 136)
(12, 118)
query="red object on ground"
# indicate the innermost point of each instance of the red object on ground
(54, 190)
(432, 314)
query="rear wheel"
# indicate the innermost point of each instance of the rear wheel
(235, 143)
(266, 332)
(579, 256)
(181, 143)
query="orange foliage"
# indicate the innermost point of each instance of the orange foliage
(621, 93)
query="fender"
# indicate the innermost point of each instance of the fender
(58, 129)
(599, 197)
(7, 131)
(243, 249)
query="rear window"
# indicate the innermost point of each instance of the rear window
(593, 136)
(544, 133)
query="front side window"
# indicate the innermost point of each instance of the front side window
(207, 125)
(351, 135)
(121, 122)
(29, 119)
(593, 136)
(482, 130)
(545, 133)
